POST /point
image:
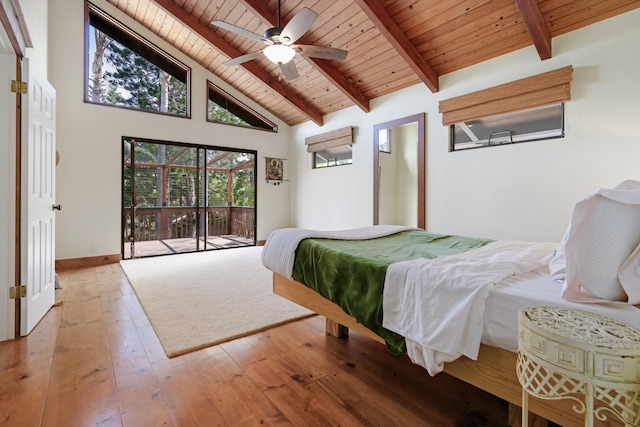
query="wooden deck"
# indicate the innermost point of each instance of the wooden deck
(178, 246)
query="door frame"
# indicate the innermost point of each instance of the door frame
(14, 41)
(8, 214)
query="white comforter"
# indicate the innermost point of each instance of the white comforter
(438, 304)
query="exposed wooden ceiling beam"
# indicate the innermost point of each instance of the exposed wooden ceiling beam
(538, 31)
(205, 32)
(376, 12)
(258, 8)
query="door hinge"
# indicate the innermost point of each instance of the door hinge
(18, 86)
(17, 292)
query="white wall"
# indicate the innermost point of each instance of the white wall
(35, 14)
(89, 141)
(524, 191)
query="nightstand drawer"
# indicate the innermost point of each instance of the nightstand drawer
(616, 368)
(560, 355)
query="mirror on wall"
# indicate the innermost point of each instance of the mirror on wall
(399, 171)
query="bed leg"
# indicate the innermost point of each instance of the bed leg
(515, 418)
(335, 329)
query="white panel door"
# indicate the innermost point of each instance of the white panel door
(38, 199)
(7, 194)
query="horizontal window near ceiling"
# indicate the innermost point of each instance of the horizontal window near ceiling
(333, 156)
(530, 124)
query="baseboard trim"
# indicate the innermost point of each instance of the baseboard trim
(96, 261)
(93, 261)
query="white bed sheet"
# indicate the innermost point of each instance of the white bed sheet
(536, 288)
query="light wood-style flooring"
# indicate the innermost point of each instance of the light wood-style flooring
(95, 360)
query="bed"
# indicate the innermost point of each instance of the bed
(302, 260)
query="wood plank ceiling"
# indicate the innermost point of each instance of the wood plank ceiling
(392, 44)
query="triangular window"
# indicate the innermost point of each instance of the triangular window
(223, 108)
(123, 69)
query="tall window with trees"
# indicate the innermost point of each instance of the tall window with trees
(123, 69)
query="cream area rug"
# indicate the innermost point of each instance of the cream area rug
(201, 299)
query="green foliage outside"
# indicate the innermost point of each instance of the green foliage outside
(182, 177)
(221, 114)
(138, 82)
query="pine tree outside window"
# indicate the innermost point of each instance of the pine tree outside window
(125, 70)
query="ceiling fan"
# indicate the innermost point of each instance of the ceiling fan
(280, 43)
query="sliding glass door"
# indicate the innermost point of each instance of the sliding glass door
(181, 198)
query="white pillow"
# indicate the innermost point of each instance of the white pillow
(603, 232)
(614, 231)
(629, 276)
(557, 265)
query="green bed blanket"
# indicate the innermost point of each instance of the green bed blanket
(351, 273)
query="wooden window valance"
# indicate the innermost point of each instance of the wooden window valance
(334, 138)
(543, 89)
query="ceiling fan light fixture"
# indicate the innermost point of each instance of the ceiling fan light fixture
(279, 53)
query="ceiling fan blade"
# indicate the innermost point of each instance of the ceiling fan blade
(289, 70)
(238, 30)
(320, 52)
(242, 58)
(298, 25)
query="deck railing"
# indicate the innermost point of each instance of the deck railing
(165, 223)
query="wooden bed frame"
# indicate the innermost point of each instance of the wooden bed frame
(493, 372)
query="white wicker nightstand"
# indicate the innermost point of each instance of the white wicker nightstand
(594, 360)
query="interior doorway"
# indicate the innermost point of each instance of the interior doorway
(179, 198)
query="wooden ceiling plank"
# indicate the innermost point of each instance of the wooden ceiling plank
(158, 19)
(141, 11)
(369, 54)
(536, 26)
(330, 20)
(196, 8)
(193, 45)
(330, 72)
(400, 42)
(201, 53)
(437, 14)
(401, 11)
(473, 24)
(507, 30)
(356, 27)
(182, 36)
(393, 86)
(562, 22)
(231, 52)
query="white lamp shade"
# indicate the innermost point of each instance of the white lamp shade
(279, 53)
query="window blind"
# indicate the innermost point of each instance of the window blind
(542, 89)
(334, 138)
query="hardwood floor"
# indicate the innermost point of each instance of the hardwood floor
(95, 360)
